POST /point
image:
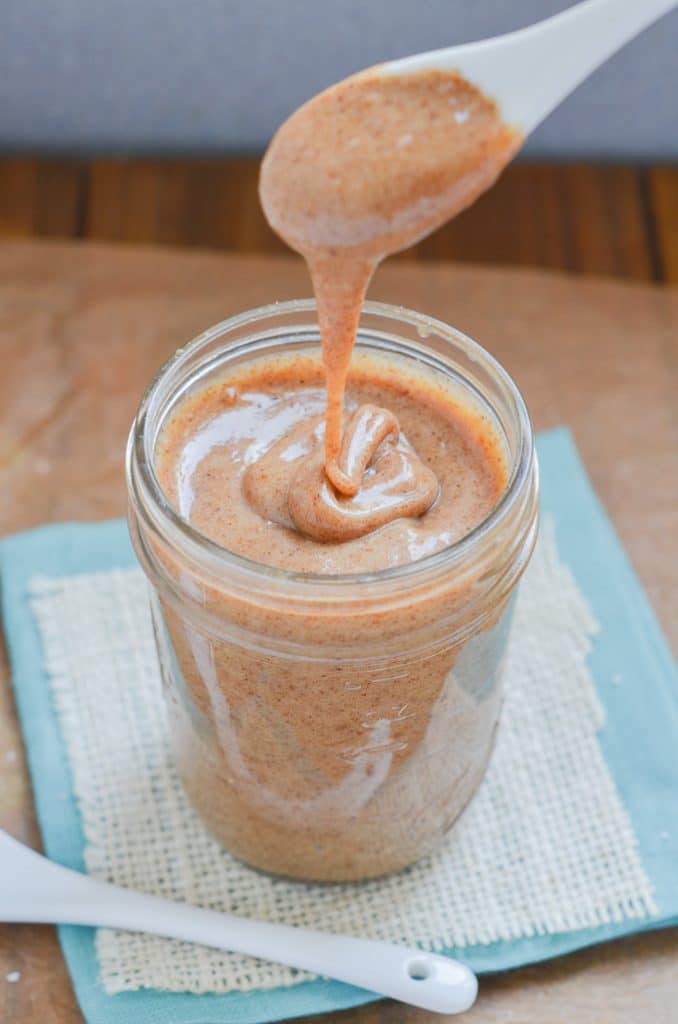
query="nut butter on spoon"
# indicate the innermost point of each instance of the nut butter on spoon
(384, 157)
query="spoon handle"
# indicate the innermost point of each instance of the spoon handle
(529, 72)
(34, 889)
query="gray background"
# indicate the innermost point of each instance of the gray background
(211, 76)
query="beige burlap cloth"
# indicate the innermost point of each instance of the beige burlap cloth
(545, 847)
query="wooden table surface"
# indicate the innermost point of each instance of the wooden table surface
(83, 327)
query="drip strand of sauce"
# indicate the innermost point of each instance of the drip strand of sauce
(364, 169)
(366, 431)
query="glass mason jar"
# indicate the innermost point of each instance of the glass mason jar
(332, 727)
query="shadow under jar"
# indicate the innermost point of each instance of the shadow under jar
(332, 727)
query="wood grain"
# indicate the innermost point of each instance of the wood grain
(88, 325)
(207, 203)
(663, 201)
(576, 217)
(41, 198)
(618, 221)
(570, 217)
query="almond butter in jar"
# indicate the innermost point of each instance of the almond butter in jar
(330, 725)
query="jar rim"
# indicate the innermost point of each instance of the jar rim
(149, 498)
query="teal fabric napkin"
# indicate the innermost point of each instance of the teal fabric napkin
(639, 742)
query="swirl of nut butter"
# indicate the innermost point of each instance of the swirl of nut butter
(376, 478)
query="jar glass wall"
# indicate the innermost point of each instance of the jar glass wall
(332, 727)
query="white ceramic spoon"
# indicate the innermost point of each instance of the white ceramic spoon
(36, 890)
(528, 72)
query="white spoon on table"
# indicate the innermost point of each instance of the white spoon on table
(38, 891)
(529, 72)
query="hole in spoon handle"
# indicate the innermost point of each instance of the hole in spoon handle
(436, 983)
